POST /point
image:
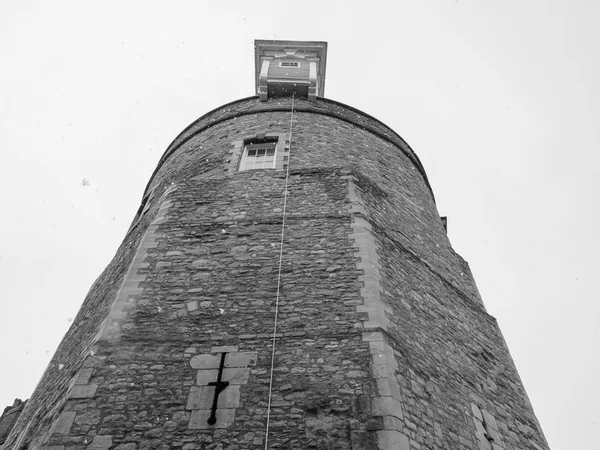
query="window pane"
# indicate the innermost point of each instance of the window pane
(259, 155)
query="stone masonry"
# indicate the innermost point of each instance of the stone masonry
(9, 417)
(382, 340)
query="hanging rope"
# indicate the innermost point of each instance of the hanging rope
(285, 196)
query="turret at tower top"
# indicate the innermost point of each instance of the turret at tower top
(286, 67)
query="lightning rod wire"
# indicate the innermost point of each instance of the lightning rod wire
(285, 196)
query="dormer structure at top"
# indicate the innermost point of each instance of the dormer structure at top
(286, 67)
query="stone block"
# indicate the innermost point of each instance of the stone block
(386, 406)
(381, 348)
(201, 397)
(392, 423)
(383, 360)
(84, 375)
(229, 397)
(373, 336)
(203, 377)
(88, 417)
(62, 425)
(199, 419)
(192, 306)
(83, 391)
(490, 420)
(206, 361)
(100, 443)
(241, 359)
(476, 412)
(388, 387)
(237, 375)
(483, 445)
(392, 440)
(377, 320)
(224, 349)
(127, 290)
(494, 435)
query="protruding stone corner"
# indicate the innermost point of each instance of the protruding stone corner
(113, 325)
(386, 403)
(392, 440)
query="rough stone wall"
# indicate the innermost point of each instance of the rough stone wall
(9, 417)
(329, 141)
(321, 106)
(382, 340)
(454, 367)
(210, 284)
(50, 395)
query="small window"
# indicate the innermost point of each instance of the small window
(289, 64)
(258, 155)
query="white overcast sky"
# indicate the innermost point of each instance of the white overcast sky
(499, 99)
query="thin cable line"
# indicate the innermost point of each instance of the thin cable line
(285, 196)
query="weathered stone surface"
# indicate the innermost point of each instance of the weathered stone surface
(64, 422)
(84, 375)
(201, 397)
(382, 341)
(241, 359)
(129, 446)
(206, 362)
(9, 417)
(236, 375)
(101, 443)
(392, 440)
(83, 391)
(88, 418)
(199, 419)
(206, 376)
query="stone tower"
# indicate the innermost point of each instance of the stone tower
(286, 283)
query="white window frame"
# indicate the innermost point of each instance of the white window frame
(233, 159)
(253, 163)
